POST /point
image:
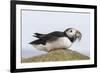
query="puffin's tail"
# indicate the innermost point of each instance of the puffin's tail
(38, 35)
(38, 41)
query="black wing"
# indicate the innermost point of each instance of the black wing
(52, 36)
(38, 41)
(47, 37)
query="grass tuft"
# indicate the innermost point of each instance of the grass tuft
(56, 55)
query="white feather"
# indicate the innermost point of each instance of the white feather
(62, 42)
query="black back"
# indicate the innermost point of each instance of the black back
(48, 37)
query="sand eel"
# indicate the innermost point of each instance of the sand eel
(56, 39)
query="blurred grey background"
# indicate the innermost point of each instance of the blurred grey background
(46, 22)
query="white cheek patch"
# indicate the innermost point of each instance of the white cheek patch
(71, 34)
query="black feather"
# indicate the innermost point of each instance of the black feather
(43, 38)
(52, 36)
(38, 35)
(39, 41)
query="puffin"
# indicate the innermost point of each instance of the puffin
(56, 39)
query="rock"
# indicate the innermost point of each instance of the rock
(56, 55)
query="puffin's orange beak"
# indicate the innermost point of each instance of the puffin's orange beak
(78, 35)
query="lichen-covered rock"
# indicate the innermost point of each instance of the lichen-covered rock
(56, 55)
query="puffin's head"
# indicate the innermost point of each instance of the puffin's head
(73, 34)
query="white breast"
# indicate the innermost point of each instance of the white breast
(62, 42)
(40, 47)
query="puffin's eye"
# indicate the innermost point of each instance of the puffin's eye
(70, 30)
